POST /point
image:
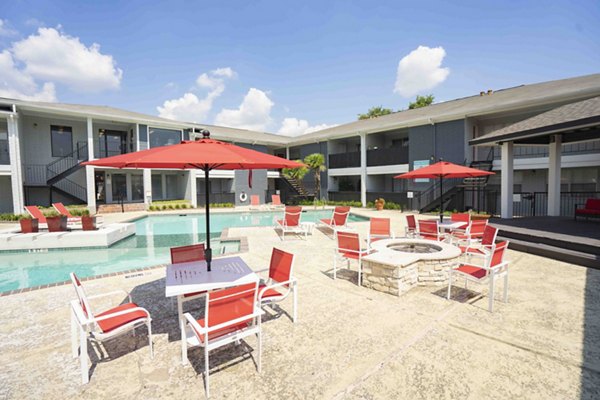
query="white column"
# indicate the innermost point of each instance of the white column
(108, 190)
(287, 153)
(90, 183)
(163, 178)
(90, 138)
(147, 187)
(190, 187)
(363, 169)
(554, 175)
(128, 189)
(506, 181)
(16, 172)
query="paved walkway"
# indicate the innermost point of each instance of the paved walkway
(349, 342)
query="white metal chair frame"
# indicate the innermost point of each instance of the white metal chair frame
(409, 231)
(477, 244)
(84, 324)
(291, 286)
(339, 256)
(193, 330)
(332, 224)
(299, 229)
(493, 273)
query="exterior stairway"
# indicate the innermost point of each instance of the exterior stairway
(298, 187)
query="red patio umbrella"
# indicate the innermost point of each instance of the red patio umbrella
(441, 170)
(205, 154)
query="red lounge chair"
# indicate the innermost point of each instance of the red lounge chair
(494, 268)
(291, 222)
(411, 226)
(254, 202)
(36, 213)
(62, 210)
(348, 248)
(481, 247)
(230, 315)
(280, 282)
(338, 220)
(379, 228)
(184, 254)
(102, 326)
(276, 201)
(429, 229)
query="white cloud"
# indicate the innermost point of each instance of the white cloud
(254, 113)
(15, 83)
(5, 30)
(190, 107)
(54, 56)
(420, 70)
(296, 127)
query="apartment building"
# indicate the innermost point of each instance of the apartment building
(42, 145)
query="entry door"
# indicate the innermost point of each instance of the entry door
(100, 180)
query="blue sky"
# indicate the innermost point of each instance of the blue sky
(315, 63)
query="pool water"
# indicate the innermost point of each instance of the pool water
(155, 235)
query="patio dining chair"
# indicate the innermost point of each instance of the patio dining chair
(461, 217)
(429, 230)
(281, 282)
(379, 228)
(493, 269)
(349, 248)
(338, 219)
(102, 326)
(230, 315)
(184, 254)
(411, 226)
(291, 222)
(483, 246)
(471, 234)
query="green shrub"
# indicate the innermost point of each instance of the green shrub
(78, 211)
(12, 217)
(52, 214)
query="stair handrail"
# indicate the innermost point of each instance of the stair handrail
(72, 188)
(68, 161)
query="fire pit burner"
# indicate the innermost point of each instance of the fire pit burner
(419, 248)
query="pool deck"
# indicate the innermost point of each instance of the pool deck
(349, 342)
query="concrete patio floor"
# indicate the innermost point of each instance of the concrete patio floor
(349, 342)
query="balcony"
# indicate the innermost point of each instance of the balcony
(4, 157)
(344, 196)
(542, 151)
(344, 160)
(388, 156)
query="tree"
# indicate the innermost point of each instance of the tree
(295, 173)
(316, 164)
(375, 112)
(421, 101)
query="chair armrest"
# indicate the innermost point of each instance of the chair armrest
(119, 313)
(290, 282)
(199, 329)
(114, 292)
(499, 266)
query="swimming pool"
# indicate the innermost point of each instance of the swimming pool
(155, 235)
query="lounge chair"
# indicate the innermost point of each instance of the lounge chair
(102, 326)
(379, 228)
(230, 315)
(184, 254)
(494, 268)
(255, 202)
(36, 213)
(276, 202)
(291, 222)
(280, 283)
(62, 210)
(338, 220)
(349, 248)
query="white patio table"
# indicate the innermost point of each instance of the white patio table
(193, 277)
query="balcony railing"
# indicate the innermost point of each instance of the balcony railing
(4, 157)
(542, 151)
(344, 160)
(389, 156)
(344, 196)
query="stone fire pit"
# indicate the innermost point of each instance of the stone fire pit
(401, 264)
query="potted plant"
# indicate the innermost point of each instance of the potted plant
(379, 203)
(56, 222)
(88, 222)
(29, 224)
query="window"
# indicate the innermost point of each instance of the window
(157, 193)
(62, 140)
(119, 187)
(164, 137)
(137, 187)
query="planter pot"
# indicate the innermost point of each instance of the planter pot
(379, 206)
(88, 223)
(56, 224)
(29, 225)
(479, 217)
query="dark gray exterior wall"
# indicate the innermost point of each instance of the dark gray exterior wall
(259, 180)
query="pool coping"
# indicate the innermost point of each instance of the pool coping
(244, 248)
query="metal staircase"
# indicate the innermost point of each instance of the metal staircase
(297, 186)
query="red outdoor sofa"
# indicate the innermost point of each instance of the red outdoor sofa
(590, 210)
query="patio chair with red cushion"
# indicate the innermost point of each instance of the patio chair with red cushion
(483, 246)
(338, 219)
(349, 248)
(185, 254)
(472, 234)
(461, 217)
(591, 208)
(230, 315)
(493, 269)
(62, 210)
(255, 202)
(36, 213)
(429, 229)
(411, 226)
(102, 326)
(281, 282)
(276, 201)
(291, 222)
(379, 228)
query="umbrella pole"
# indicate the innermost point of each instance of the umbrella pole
(441, 200)
(208, 251)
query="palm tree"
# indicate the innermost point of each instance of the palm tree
(316, 163)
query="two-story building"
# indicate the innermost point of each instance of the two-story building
(42, 145)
